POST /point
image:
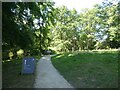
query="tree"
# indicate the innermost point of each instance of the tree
(64, 32)
(109, 25)
(95, 28)
(19, 29)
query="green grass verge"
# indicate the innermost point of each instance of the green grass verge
(11, 77)
(88, 69)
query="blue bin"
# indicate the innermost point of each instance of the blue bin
(28, 65)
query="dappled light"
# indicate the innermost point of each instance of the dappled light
(58, 28)
(84, 44)
(10, 55)
(89, 70)
(70, 55)
(59, 56)
(20, 53)
(6, 61)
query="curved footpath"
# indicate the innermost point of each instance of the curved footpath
(47, 76)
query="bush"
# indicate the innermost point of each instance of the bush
(5, 55)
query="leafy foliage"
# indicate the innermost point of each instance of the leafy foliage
(95, 28)
(35, 27)
(20, 29)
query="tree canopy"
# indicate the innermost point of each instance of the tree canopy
(95, 28)
(37, 26)
(25, 25)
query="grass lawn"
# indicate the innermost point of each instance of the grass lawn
(11, 77)
(88, 69)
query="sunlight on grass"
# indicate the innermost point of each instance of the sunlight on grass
(7, 60)
(70, 54)
(59, 56)
(89, 69)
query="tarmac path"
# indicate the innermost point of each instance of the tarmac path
(47, 76)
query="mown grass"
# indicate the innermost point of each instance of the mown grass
(89, 69)
(11, 75)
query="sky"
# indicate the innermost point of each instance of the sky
(77, 4)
